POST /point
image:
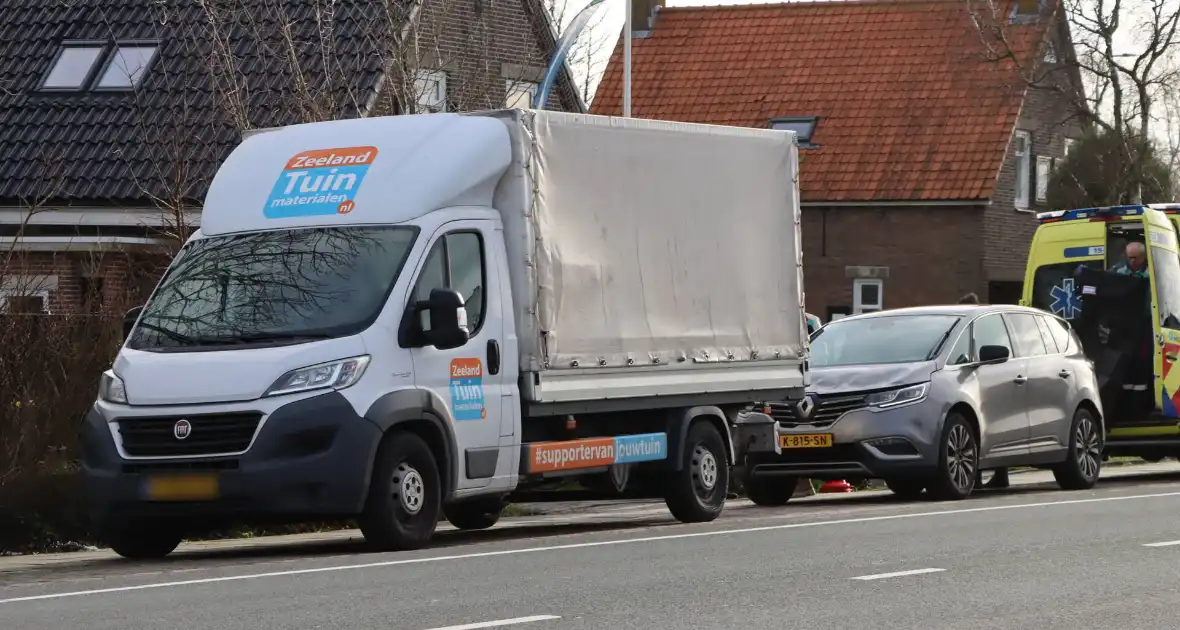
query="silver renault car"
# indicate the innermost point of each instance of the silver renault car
(926, 397)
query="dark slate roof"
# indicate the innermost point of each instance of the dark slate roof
(223, 65)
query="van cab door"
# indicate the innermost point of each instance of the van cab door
(470, 378)
(1163, 267)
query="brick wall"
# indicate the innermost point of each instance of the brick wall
(84, 282)
(933, 253)
(481, 45)
(1007, 231)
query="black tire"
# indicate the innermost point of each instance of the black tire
(140, 540)
(906, 488)
(958, 461)
(769, 491)
(1083, 463)
(474, 514)
(405, 495)
(696, 493)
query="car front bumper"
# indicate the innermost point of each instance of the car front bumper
(865, 443)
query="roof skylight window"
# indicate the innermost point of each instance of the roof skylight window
(804, 127)
(127, 66)
(73, 67)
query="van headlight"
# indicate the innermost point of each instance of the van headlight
(111, 388)
(335, 374)
(898, 397)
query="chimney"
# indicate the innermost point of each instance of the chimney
(643, 16)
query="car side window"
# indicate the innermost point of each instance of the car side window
(961, 353)
(455, 262)
(989, 330)
(1046, 336)
(1027, 334)
(1061, 333)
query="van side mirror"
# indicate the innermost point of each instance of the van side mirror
(994, 354)
(448, 319)
(129, 319)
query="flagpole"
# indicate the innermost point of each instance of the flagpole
(627, 62)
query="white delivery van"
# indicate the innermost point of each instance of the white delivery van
(406, 318)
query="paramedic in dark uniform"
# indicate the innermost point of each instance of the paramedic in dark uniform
(1000, 479)
(1134, 264)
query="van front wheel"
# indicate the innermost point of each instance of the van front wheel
(405, 495)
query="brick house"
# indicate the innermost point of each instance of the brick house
(923, 160)
(114, 114)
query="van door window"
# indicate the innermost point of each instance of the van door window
(1054, 288)
(1165, 266)
(456, 262)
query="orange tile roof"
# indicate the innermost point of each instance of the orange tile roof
(909, 109)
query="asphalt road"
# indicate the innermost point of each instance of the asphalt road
(1027, 558)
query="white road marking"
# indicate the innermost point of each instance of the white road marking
(501, 622)
(1170, 543)
(587, 545)
(882, 576)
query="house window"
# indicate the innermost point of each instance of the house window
(126, 66)
(430, 89)
(1023, 145)
(520, 94)
(73, 67)
(868, 295)
(804, 128)
(1044, 168)
(16, 303)
(1069, 144)
(1050, 53)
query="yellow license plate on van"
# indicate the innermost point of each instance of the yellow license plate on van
(806, 440)
(183, 488)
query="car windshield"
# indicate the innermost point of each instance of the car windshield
(881, 339)
(282, 286)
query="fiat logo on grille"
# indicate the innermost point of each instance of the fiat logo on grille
(182, 429)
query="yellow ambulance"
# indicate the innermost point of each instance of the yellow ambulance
(1125, 316)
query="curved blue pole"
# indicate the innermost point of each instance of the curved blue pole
(561, 50)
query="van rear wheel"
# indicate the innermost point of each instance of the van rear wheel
(139, 540)
(474, 514)
(696, 493)
(405, 495)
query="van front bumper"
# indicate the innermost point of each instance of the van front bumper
(308, 458)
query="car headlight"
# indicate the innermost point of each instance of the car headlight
(111, 388)
(898, 397)
(334, 374)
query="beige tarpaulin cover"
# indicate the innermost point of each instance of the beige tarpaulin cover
(650, 240)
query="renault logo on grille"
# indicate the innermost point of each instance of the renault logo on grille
(182, 429)
(805, 407)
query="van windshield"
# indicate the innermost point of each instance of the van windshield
(282, 286)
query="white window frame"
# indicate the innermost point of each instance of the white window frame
(97, 49)
(1023, 168)
(514, 89)
(858, 306)
(430, 92)
(1044, 171)
(1069, 145)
